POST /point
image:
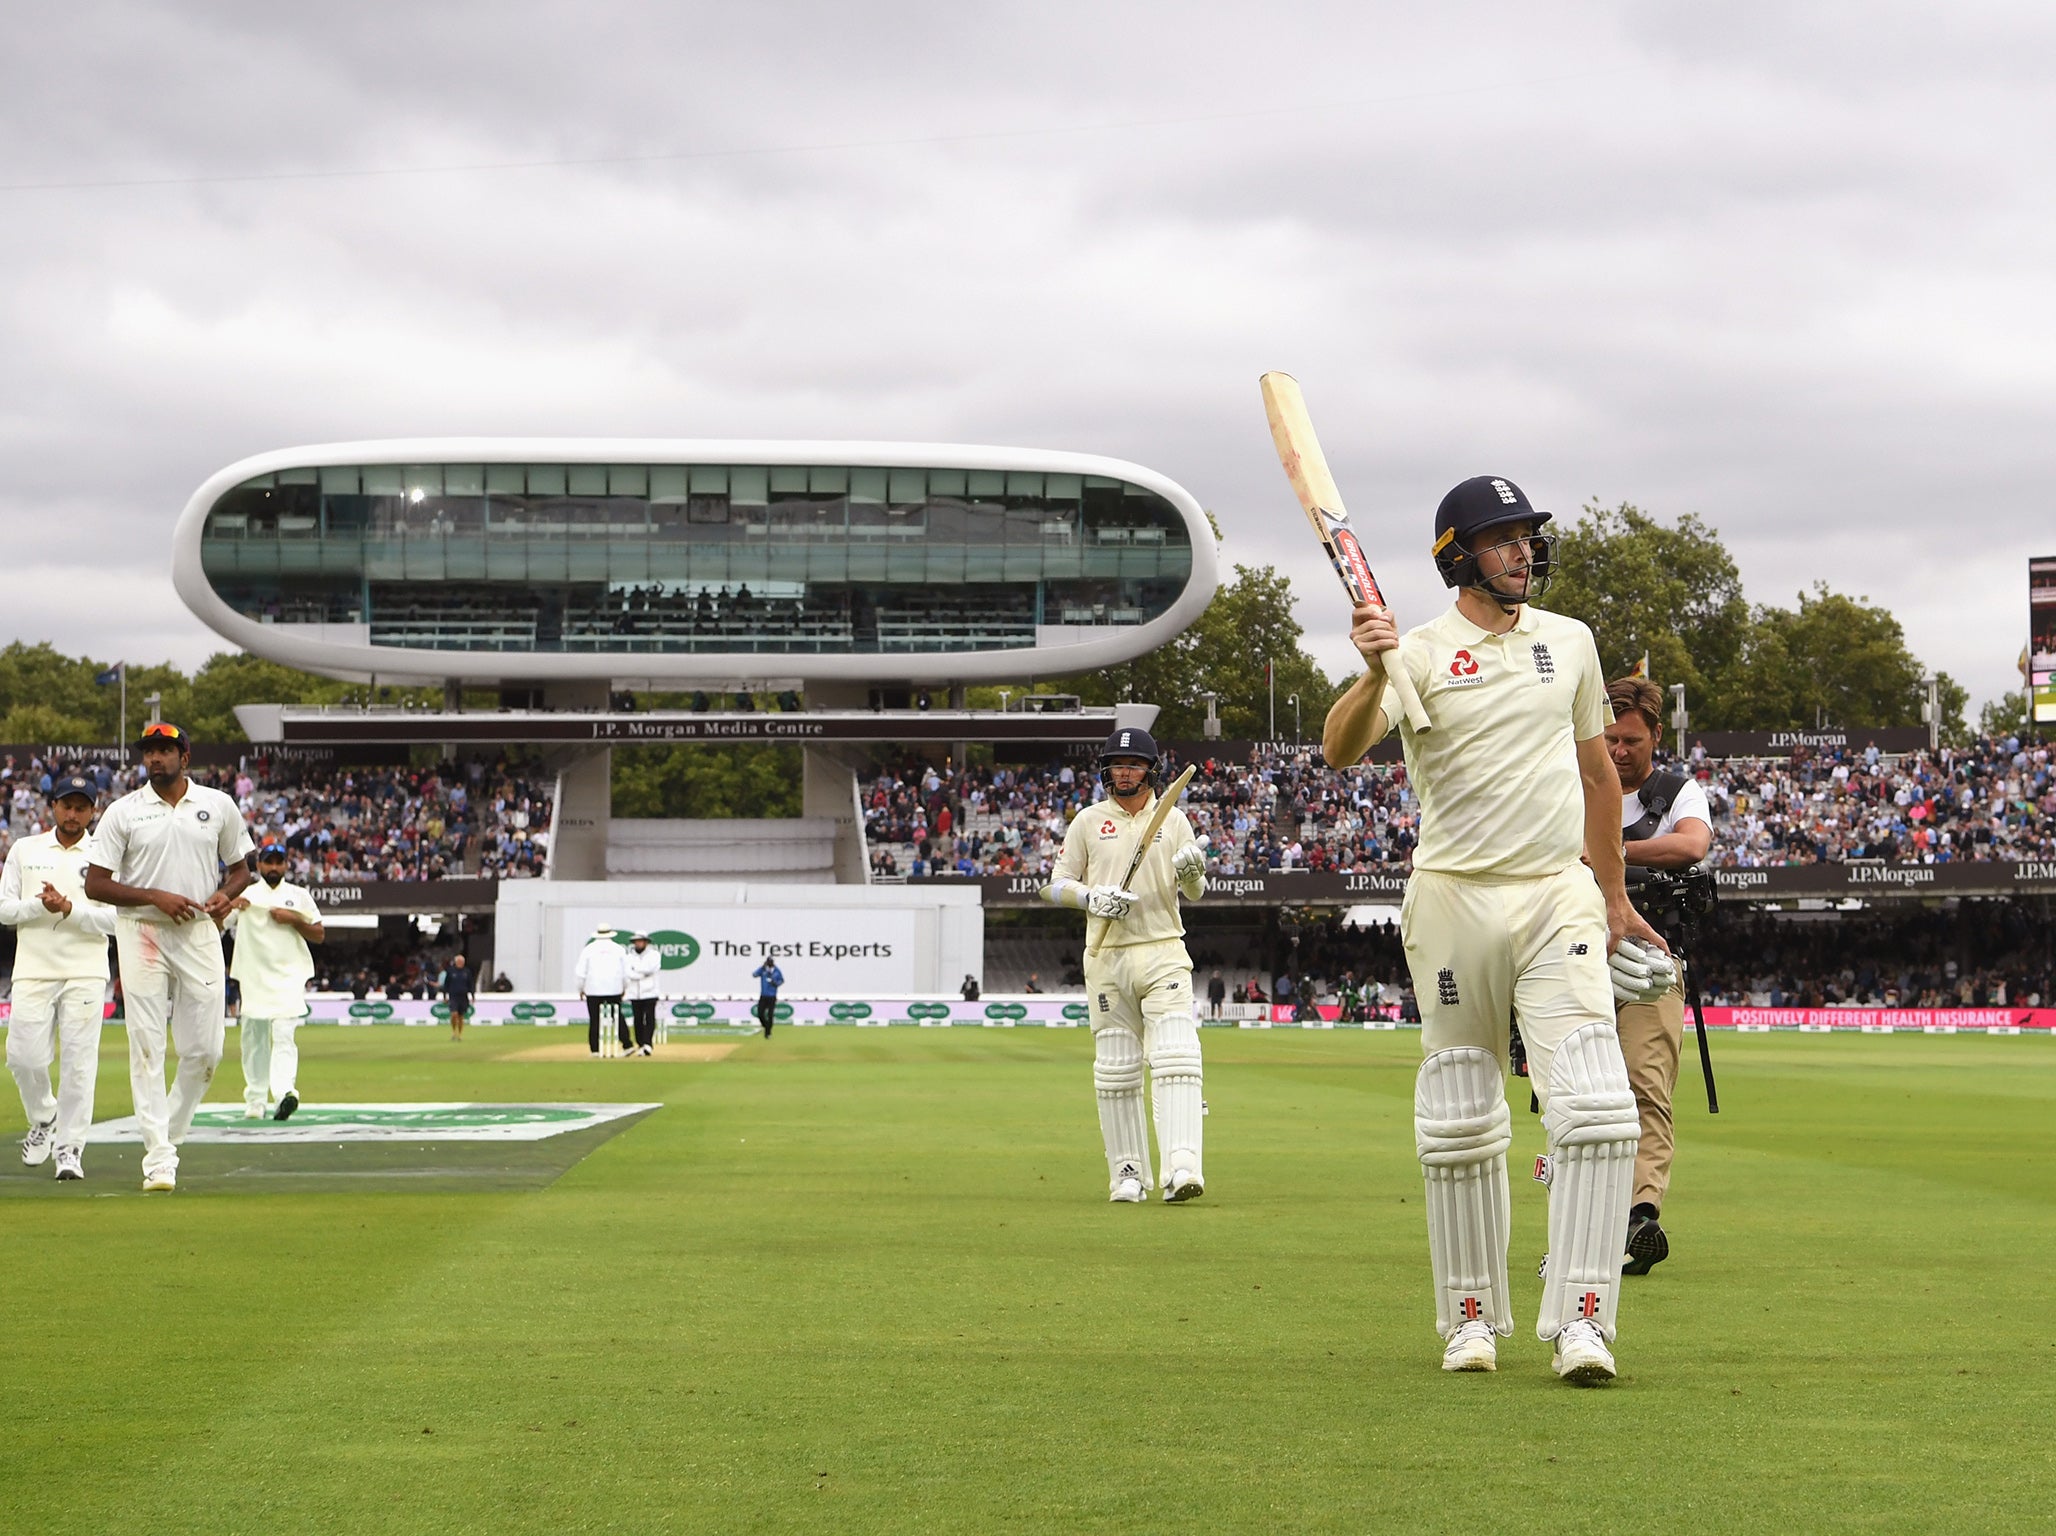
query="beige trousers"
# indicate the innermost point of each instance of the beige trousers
(1652, 1035)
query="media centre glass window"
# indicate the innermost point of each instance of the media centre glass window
(642, 558)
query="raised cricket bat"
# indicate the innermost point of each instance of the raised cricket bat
(1150, 828)
(1292, 430)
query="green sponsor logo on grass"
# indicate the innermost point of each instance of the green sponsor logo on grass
(386, 1122)
(1006, 1010)
(700, 1011)
(844, 1012)
(371, 1010)
(928, 1010)
(529, 1012)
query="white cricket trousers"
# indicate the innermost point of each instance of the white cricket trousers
(172, 980)
(47, 1015)
(271, 1059)
(1484, 952)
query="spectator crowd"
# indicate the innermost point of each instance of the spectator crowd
(1286, 809)
(480, 817)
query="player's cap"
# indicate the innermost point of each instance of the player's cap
(73, 784)
(162, 733)
(272, 849)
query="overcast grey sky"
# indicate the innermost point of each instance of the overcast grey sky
(1785, 267)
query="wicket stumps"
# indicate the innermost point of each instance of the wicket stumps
(610, 1029)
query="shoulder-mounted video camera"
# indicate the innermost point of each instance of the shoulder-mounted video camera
(1673, 896)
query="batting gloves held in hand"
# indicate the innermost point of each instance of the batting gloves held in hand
(1639, 973)
(1188, 864)
(1109, 901)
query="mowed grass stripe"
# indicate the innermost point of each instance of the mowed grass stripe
(867, 1280)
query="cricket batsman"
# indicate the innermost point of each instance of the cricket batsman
(1139, 983)
(1517, 908)
(274, 923)
(60, 977)
(170, 857)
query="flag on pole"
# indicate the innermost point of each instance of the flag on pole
(111, 676)
(1641, 668)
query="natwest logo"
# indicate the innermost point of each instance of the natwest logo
(1464, 665)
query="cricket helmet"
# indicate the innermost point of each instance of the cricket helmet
(1481, 502)
(1129, 741)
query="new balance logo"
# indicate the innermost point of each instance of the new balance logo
(1581, 949)
(1445, 987)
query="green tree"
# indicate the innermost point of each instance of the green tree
(1833, 660)
(1672, 593)
(1251, 621)
(1954, 699)
(707, 781)
(39, 676)
(229, 678)
(37, 723)
(2003, 714)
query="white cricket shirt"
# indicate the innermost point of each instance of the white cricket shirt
(144, 841)
(1497, 776)
(272, 963)
(50, 947)
(1097, 847)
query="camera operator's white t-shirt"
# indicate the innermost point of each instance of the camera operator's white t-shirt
(1689, 805)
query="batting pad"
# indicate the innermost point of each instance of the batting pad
(1592, 1131)
(1117, 1076)
(1174, 1091)
(1462, 1130)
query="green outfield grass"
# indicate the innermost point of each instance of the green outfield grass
(867, 1280)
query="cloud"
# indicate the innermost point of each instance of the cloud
(1784, 269)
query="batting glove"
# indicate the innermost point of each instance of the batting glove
(1639, 974)
(1189, 865)
(1109, 901)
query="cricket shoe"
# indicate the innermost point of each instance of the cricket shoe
(1126, 1192)
(152, 1182)
(1647, 1247)
(254, 1112)
(1582, 1358)
(69, 1165)
(286, 1106)
(1183, 1185)
(1473, 1347)
(35, 1147)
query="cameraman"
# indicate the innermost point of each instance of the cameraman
(1667, 827)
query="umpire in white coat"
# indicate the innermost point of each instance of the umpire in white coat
(60, 978)
(643, 964)
(601, 977)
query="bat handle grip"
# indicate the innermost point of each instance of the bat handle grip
(1402, 685)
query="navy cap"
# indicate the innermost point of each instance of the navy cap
(74, 784)
(272, 847)
(159, 733)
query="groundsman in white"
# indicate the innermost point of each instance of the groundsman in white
(60, 978)
(1138, 985)
(170, 857)
(273, 923)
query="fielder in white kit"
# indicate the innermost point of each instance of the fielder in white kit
(1502, 920)
(273, 922)
(60, 978)
(1139, 984)
(170, 857)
